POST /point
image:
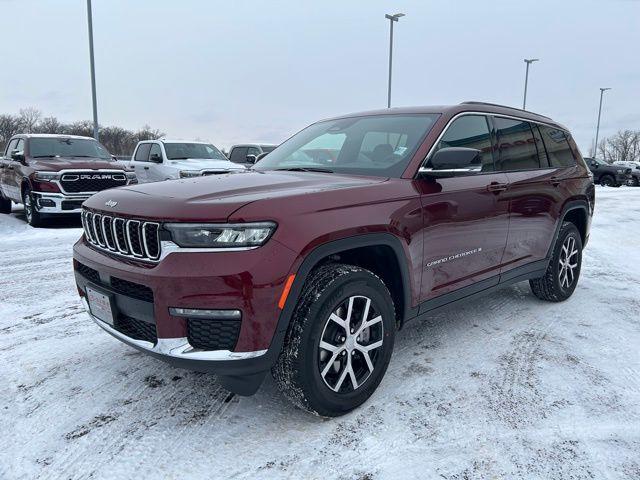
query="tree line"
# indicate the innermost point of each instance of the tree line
(118, 140)
(622, 146)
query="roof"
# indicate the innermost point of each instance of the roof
(471, 106)
(51, 135)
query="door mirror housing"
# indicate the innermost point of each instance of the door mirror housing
(18, 156)
(454, 161)
(252, 159)
(155, 158)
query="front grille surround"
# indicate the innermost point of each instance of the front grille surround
(83, 181)
(131, 238)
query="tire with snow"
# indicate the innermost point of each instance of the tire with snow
(5, 205)
(31, 214)
(561, 277)
(339, 341)
(608, 181)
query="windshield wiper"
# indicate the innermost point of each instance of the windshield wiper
(305, 169)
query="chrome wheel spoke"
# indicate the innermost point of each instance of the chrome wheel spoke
(348, 344)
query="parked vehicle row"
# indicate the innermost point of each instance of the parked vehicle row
(607, 174)
(634, 181)
(250, 153)
(307, 264)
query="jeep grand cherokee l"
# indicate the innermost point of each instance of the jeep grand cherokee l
(308, 269)
(54, 174)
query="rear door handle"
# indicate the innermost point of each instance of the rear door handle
(496, 187)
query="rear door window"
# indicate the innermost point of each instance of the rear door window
(142, 154)
(558, 148)
(516, 145)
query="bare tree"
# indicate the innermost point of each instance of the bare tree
(622, 146)
(9, 126)
(49, 125)
(29, 118)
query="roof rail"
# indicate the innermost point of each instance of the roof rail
(471, 102)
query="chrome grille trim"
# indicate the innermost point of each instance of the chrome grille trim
(101, 232)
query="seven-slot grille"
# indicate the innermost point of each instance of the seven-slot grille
(91, 181)
(130, 238)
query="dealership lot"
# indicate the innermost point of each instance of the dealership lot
(503, 386)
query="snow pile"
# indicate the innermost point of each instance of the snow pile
(505, 386)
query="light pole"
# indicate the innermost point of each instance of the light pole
(392, 19)
(93, 72)
(528, 61)
(595, 148)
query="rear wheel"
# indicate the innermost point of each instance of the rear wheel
(5, 205)
(340, 341)
(608, 181)
(561, 277)
(31, 214)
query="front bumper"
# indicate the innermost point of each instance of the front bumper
(623, 178)
(250, 281)
(58, 203)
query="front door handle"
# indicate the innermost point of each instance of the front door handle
(146, 168)
(555, 181)
(495, 187)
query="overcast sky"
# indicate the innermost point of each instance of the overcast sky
(236, 71)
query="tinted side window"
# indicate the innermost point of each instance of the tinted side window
(469, 131)
(142, 154)
(557, 145)
(11, 147)
(238, 155)
(155, 150)
(516, 145)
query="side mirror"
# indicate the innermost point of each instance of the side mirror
(155, 158)
(251, 159)
(453, 161)
(114, 158)
(18, 155)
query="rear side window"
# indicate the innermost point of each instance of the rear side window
(557, 145)
(238, 155)
(142, 154)
(516, 145)
(469, 131)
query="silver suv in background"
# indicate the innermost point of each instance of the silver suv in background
(158, 160)
(248, 153)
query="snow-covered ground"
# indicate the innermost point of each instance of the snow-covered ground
(505, 386)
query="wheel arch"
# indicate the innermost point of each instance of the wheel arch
(348, 250)
(24, 184)
(575, 211)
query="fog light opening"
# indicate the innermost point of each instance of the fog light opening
(205, 313)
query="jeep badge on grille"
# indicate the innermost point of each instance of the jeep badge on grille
(110, 203)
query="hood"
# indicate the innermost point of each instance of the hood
(205, 164)
(216, 197)
(56, 164)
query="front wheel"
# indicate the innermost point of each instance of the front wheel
(31, 214)
(561, 277)
(339, 342)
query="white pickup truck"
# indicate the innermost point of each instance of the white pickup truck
(157, 160)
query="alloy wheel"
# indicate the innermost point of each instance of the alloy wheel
(350, 344)
(568, 263)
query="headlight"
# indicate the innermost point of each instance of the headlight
(131, 177)
(196, 235)
(47, 176)
(189, 173)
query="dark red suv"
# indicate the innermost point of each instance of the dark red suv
(308, 267)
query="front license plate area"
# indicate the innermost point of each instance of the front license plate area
(100, 305)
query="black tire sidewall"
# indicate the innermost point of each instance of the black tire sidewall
(34, 221)
(566, 231)
(322, 398)
(607, 181)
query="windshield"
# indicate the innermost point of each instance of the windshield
(379, 145)
(181, 151)
(66, 147)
